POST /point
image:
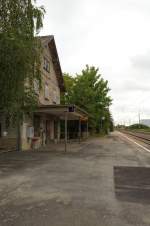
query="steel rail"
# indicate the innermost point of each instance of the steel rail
(140, 136)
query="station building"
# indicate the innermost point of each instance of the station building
(44, 126)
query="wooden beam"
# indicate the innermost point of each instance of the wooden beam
(66, 128)
(87, 124)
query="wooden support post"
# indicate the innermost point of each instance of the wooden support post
(18, 143)
(87, 131)
(58, 130)
(79, 130)
(66, 134)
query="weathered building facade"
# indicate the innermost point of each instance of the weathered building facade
(44, 126)
(41, 127)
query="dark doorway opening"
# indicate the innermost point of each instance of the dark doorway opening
(0, 130)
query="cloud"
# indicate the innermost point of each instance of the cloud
(132, 85)
(112, 35)
(142, 61)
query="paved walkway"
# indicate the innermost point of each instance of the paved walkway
(104, 183)
(72, 146)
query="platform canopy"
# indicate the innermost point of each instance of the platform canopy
(72, 112)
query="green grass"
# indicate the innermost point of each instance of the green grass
(141, 130)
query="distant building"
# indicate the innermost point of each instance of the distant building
(145, 122)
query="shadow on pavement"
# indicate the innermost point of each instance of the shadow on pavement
(132, 184)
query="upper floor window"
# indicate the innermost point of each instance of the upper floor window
(46, 65)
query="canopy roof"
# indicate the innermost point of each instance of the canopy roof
(72, 112)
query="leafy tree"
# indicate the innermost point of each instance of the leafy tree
(138, 126)
(111, 123)
(108, 124)
(89, 91)
(66, 98)
(20, 22)
(20, 50)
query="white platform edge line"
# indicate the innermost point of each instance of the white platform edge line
(141, 146)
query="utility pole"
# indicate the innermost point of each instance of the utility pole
(139, 119)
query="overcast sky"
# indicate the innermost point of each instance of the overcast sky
(113, 35)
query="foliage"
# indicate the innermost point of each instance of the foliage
(69, 84)
(138, 126)
(20, 21)
(108, 123)
(119, 126)
(89, 91)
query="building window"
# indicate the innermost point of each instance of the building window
(46, 92)
(46, 65)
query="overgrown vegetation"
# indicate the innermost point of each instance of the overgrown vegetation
(90, 91)
(20, 50)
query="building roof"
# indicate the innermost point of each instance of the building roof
(49, 39)
(73, 112)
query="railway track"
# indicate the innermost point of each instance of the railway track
(141, 136)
